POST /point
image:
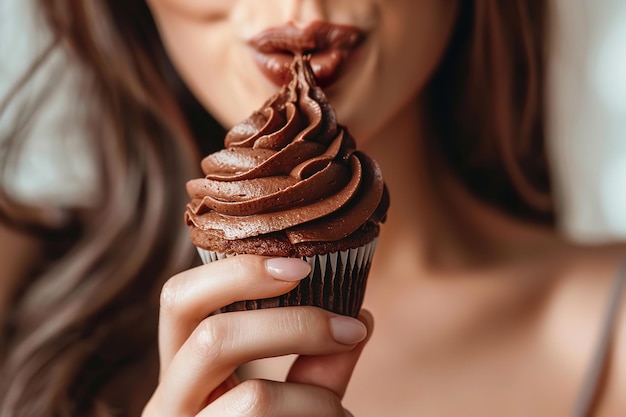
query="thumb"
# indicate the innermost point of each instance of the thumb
(332, 372)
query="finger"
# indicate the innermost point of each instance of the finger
(223, 342)
(231, 382)
(255, 398)
(189, 297)
(333, 371)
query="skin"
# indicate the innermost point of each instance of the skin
(209, 37)
(477, 313)
(199, 355)
(472, 305)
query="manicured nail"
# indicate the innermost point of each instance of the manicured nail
(347, 330)
(287, 269)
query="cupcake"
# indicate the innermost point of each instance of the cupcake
(290, 182)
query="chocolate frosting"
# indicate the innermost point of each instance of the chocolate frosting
(288, 168)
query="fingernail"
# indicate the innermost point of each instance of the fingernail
(347, 330)
(348, 414)
(287, 269)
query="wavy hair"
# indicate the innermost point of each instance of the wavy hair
(487, 105)
(88, 310)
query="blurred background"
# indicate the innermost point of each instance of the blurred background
(586, 120)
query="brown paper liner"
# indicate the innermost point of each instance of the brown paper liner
(336, 282)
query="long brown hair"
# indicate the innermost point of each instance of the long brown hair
(487, 105)
(88, 310)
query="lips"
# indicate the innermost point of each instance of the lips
(330, 46)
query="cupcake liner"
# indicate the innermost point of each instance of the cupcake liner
(337, 282)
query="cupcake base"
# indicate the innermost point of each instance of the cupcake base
(336, 283)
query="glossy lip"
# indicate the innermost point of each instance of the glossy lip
(330, 46)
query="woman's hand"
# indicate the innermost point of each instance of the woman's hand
(199, 354)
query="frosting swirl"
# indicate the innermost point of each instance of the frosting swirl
(288, 168)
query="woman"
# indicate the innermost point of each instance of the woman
(481, 308)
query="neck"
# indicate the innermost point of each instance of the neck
(433, 219)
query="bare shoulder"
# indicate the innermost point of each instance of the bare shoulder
(588, 282)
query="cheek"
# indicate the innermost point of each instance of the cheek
(210, 58)
(202, 59)
(405, 52)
